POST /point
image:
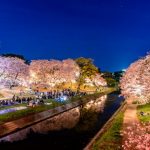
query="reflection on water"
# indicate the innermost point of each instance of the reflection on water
(89, 114)
(92, 118)
(98, 105)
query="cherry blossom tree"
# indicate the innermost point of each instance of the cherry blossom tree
(13, 71)
(98, 80)
(53, 72)
(136, 80)
(4, 63)
(38, 71)
(70, 70)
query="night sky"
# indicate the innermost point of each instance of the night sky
(112, 32)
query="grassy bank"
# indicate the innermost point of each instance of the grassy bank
(111, 139)
(33, 110)
(145, 109)
(30, 110)
(93, 96)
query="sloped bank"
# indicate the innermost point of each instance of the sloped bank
(109, 136)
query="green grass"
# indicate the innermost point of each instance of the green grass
(146, 109)
(30, 110)
(18, 114)
(111, 139)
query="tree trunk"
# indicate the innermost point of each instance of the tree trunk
(10, 87)
(78, 88)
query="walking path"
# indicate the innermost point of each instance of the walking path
(130, 117)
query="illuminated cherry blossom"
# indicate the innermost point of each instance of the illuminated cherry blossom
(136, 80)
(53, 72)
(13, 71)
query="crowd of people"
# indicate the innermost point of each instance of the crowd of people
(15, 100)
(39, 97)
(56, 94)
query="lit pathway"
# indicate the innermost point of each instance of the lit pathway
(130, 116)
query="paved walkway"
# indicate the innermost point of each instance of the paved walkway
(130, 116)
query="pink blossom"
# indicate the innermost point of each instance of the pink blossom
(138, 137)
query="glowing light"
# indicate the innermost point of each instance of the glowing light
(62, 98)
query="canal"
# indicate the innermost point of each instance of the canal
(71, 139)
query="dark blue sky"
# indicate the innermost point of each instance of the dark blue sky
(112, 32)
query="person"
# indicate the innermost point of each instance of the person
(142, 113)
(14, 97)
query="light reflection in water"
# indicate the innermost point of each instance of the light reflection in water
(97, 105)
